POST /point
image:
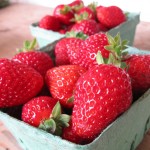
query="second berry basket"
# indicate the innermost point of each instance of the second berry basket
(126, 29)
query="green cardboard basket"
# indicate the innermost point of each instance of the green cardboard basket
(126, 29)
(125, 133)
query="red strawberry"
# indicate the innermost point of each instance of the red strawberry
(110, 16)
(87, 11)
(64, 13)
(38, 60)
(44, 112)
(61, 82)
(50, 23)
(65, 48)
(76, 5)
(88, 27)
(139, 71)
(73, 46)
(87, 53)
(101, 94)
(18, 83)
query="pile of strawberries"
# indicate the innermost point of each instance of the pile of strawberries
(77, 17)
(77, 95)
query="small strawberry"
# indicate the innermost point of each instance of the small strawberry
(39, 60)
(64, 47)
(110, 16)
(64, 13)
(61, 82)
(45, 112)
(139, 71)
(88, 11)
(18, 83)
(76, 5)
(50, 23)
(88, 27)
(87, 53)
(101, 94)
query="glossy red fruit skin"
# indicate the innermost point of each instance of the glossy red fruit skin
(88, 27)
(61, 82)
(37, 110)
(18, 83)
(50, 23)
(110, 16)
(65, 18)
(139, 71)
(40, 61)
(87, 54)
(101, 94)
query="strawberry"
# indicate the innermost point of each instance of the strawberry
(66, 47)
(76, 5)
(39, 60)
(50, 22)
(61, 82)
(88, 27)
(105, 92)
(139, 71)
(89, 12)
(87, 53)
(110, 16)
(64, 13)
(45, 112)
(18, 83)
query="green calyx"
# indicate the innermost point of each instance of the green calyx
(56, 122)
(65, 9)
(93, 6)
(80, 35)
(77, 7)
(117, 53)
(28, 46)
(83, 16)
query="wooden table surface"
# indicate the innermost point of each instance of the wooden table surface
(14, 29)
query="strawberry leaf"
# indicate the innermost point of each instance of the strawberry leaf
(56, 112)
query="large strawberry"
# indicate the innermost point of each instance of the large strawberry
(87, 53)
(139, 71)
(88, 27)
(45, 112)
(110, 16)
(39, 60)
(18, 83)
(64, 13)
(105, 92)
(50, 22)
(61, 82)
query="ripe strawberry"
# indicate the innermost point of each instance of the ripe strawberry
(76, 5)
(66, 47)
(18, 83)
(110, 16)
(61, 82)
(101, 94)
(50, 23)
(64, 13)
(45, 112)
(38, 60)
(139, 71)
(87, 53)
(88, 27)
(89, 12)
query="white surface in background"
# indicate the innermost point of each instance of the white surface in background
(141, 6)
